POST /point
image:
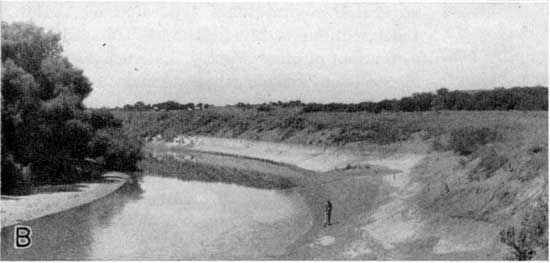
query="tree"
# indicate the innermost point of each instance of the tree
(140, 106)
(407, 104)
(442, 92)
(422, 101)
(46, 129)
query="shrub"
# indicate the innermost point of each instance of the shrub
(244, 105)
(116, 150)
(518, 241)
(293, 122)
(13, 181)
(536, 149)
(490, 162)
(467, 140)
(264, 107)
(530, 235)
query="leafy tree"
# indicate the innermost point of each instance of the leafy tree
(140, 106)
(458, 100)
(101, 119)
(115, 150)
(46, 129)
(423, 101)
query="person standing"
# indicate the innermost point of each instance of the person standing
(328, 212)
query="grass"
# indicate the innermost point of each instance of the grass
(324, 128)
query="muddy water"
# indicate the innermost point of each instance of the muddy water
(161, 218)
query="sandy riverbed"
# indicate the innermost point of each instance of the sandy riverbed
(53, 199)
(375, 212)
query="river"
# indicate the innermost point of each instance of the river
(160, 218)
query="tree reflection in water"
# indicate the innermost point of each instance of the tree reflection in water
(68, 235)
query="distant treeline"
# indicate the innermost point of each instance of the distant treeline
(164, 106)
(268, 106)
(516, 98)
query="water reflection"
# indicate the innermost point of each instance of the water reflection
(164, 218)
(68, 235)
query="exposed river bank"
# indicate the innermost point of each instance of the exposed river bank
(49, 200)
(374, 195)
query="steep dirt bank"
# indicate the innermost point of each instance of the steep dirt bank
(471, 199)
(54, 199)
(307, 157)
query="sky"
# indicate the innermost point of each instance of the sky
(224, 53)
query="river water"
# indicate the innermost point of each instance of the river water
(159, 218)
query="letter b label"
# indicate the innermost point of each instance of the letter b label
(22, 236)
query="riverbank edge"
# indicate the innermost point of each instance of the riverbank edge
(312, 195)
(302, 189)
(19, 209)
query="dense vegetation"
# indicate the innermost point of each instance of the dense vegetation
(517, 98)
(48, 136)
(467, 140)
(319, 128)
(164, 106)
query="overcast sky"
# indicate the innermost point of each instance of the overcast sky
(226, 53)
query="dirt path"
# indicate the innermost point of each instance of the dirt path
(397, 220)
